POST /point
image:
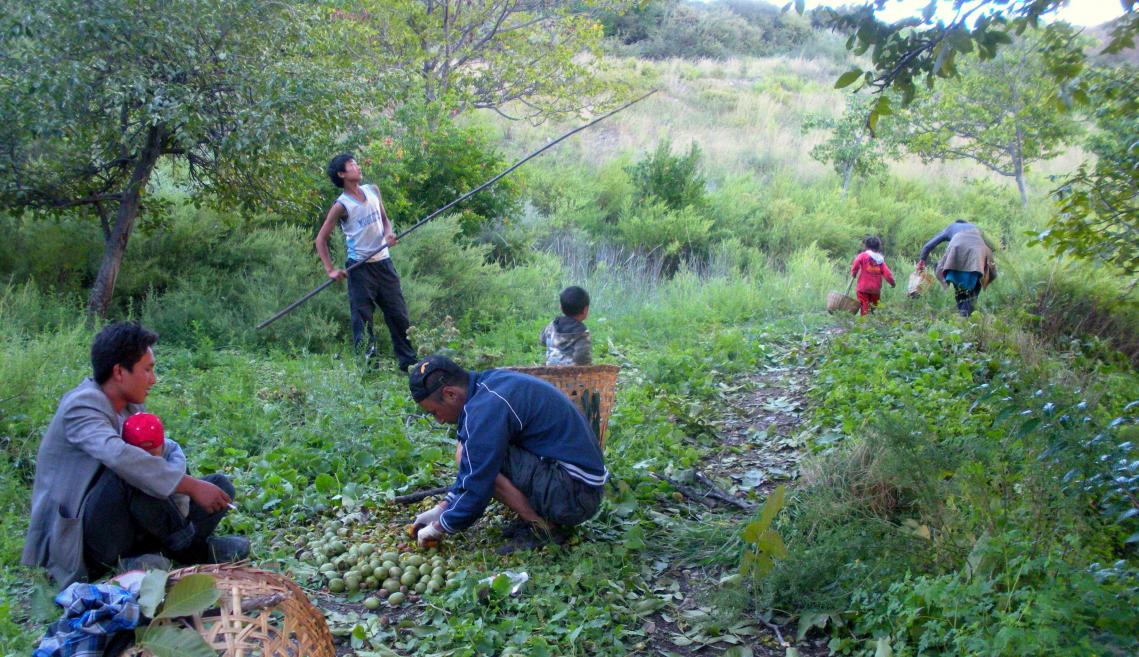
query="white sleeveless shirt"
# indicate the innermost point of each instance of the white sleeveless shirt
(362, 226)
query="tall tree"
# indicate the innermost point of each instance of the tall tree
(96, 94)
(851, 147)
(999, 112)
(529, 55)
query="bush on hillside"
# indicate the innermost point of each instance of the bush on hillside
(446, 276)
(60, 253)
(675, 235)
(425, 160)
(674, 180)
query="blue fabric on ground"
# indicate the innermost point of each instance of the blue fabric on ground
(92, 615)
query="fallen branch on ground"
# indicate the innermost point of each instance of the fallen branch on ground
(690, 493)
(411, 498)
(715, 493)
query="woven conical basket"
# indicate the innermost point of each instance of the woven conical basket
(591, 387)
(278, 619)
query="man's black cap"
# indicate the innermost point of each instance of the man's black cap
(428, 375)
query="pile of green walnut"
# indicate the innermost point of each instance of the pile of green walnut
(391, 568)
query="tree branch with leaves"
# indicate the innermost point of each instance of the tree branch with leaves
(96, 95)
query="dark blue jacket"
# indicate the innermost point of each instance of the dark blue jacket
(506, 408)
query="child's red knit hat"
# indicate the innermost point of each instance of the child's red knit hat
(144, 430)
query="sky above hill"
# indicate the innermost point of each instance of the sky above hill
(1078, 12)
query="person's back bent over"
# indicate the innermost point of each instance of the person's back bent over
(521, 441)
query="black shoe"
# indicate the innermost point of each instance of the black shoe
(146, 562)
(223, 549)
(531, 537)
(516, 526)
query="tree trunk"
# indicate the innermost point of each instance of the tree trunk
(848, 171)
(1021, 186)
(1018, 167)
(115, 244)
(846, 174)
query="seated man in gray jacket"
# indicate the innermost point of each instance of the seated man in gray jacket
(97, 500)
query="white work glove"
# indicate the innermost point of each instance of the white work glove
(430, 535)
(427, 517)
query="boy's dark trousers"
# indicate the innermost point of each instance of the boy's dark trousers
(377, 284)
(121, 521)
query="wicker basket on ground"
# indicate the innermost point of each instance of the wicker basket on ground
(591, 387)
(838, 302)
(261, 613)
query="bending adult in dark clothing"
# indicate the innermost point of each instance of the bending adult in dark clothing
(521, 441)
(97, 500)
(968, 263)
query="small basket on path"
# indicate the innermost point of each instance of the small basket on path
(591, 387)
(838, 302)
(259, 613)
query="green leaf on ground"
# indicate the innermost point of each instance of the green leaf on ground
(152, 591)
(167, 641)
(192, 594)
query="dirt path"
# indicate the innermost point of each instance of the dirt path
(760, 442)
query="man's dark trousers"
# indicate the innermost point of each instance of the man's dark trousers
(121, 521)
(377, 284)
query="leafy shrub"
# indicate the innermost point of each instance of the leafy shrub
(1019, 603)
(677, 234)
(427, 160)
(444, 275)
(674, 180)
(211, 281)
(58, 252)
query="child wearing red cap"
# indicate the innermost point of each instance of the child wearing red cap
(145, 431)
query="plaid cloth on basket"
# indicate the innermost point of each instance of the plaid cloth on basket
(95, 617)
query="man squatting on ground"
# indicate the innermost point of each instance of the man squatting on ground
(97, 500)
(360, 212)
(521, 441)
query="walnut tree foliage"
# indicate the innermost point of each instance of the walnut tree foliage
(521, 58)
(998, 112)
(96, 95)
(1098, 205)
(851, 148)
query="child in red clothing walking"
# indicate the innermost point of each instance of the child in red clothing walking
(870, 267)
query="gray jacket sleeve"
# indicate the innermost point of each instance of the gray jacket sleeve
(87, 428)
(929, 246)
(173, 454)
